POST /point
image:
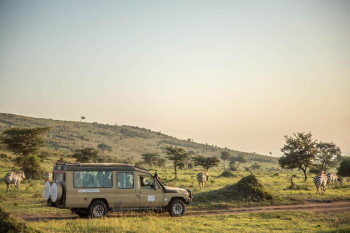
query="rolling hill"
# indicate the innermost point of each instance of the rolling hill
(126, 142)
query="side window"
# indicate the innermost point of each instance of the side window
(147, 182)
(92, 179)
(58, 177)
(125, 180)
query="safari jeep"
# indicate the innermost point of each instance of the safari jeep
(93, 189)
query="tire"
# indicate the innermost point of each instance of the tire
(176, 208)
(47, 191)
(98, 209)
(56, 192)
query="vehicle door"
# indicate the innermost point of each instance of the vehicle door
(125, 194)
(150, 193)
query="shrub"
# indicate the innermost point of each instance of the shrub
(344, 168)
(32, 167)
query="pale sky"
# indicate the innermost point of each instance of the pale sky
(237, 74)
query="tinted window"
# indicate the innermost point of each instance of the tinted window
(125, 180)
(92, 179)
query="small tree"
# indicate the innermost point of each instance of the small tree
(24, 141)
(225, 156)
(235, 162)
(160, 162)
(85, 155)
(299, 151)
(176, 155)
(328, 155)
(104, 147)
(150, 158)
(32, 167)
(206, 162)
(344, 168)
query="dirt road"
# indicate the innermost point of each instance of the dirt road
(334, 207)
(329, 207)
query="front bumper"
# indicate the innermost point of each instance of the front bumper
(190, 196)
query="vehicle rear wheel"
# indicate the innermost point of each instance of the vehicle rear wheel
(98, 209)
(176, 208)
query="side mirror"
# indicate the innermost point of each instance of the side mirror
(154, 186)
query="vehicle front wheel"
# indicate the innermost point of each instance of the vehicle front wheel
(176, 208)
(98, 209)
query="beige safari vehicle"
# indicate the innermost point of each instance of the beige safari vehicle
(93, 189)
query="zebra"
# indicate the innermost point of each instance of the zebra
(333, 178)
(320, 182)
(48, 176)
(14, 178)
(202, 178)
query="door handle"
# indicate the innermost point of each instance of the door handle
(143, 192)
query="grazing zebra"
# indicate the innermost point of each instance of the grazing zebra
(202, 178)
(320, 182)
(334, 179)
(48, 176)
(14, 178)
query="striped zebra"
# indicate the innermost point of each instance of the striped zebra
(202, 178)
(48, 176)
(14, 178)
(334, 179)
(320, 183)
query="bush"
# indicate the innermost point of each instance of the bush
(32, 167)
(344, 168)
(8, 224)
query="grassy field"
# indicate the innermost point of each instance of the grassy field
(28, 203)
(128, 143)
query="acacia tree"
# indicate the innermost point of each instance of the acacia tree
(26, 143)
(150, 158)
(299, 151)
(85, 155)
(206, 162)
(235, 162)
(176, 155)
(224, 155)
(328, 155)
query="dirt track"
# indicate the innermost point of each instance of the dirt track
(333, 207)
(329, 207)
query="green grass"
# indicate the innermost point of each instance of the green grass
(28, 202)
(261, 222)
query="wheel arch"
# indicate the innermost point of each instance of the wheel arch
(99, 199)
(174, 198)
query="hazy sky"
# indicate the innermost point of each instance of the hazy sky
(237, 74)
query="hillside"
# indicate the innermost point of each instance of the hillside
(126, 142)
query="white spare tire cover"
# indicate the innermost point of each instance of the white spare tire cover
(47, 191)
(56, 192)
